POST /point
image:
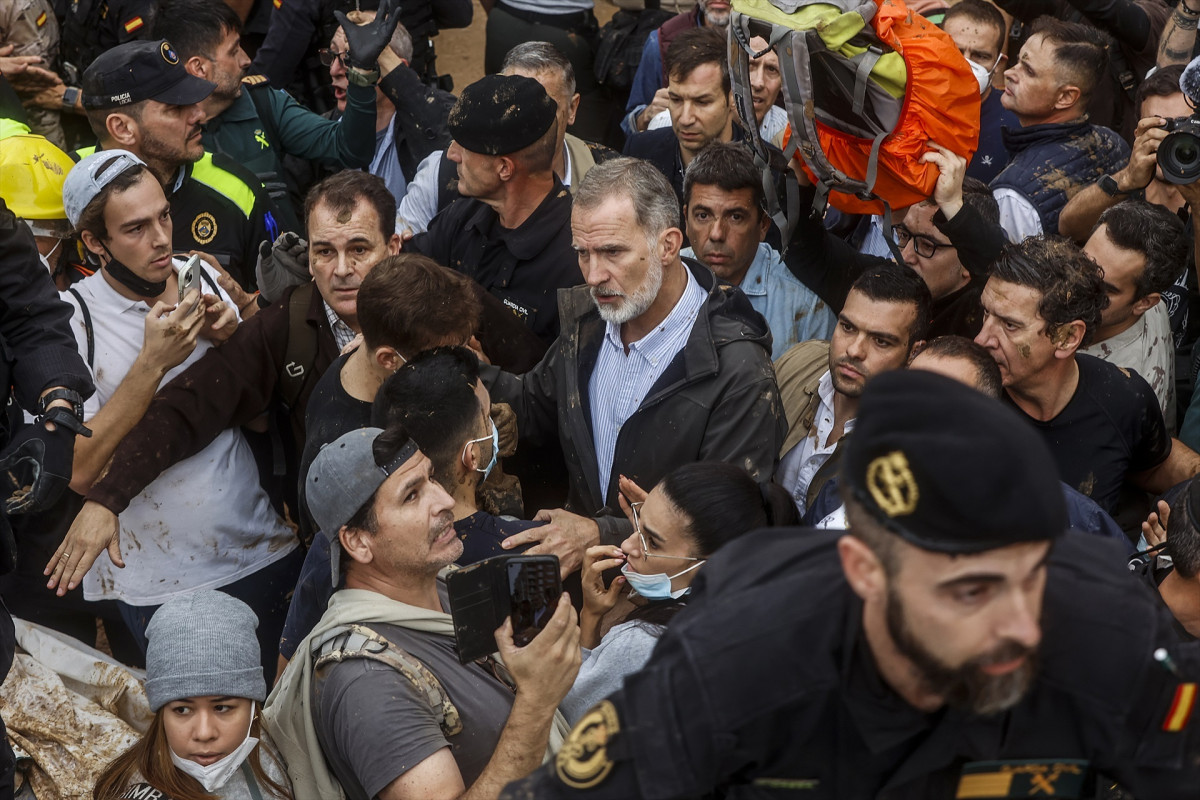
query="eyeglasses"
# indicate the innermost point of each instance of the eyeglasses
(924, 245)
(637, 528)
(329, 55)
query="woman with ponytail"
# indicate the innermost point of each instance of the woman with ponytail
(686, 518)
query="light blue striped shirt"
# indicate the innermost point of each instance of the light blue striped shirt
(620, 381)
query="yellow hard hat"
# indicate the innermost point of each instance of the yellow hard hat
(32, 171)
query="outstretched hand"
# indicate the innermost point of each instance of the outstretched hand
(367, 41)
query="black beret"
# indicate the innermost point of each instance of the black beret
(501, 114)
(950, 469)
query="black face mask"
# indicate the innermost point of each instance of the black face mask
(130, 280)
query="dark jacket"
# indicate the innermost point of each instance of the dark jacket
(770, 690)
(524, 266)
(1053, 161)
(716, 400)
(227, 388)
(829, 266)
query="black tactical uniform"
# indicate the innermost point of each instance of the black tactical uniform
(89, 27)
(38, 352)
(765, 686)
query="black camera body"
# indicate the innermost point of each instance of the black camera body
(1179, 152)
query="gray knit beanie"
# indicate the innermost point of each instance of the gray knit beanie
(203, 644)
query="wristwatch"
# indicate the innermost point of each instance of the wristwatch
(1108, 185)
(359, 77)
(70, 395)
(70, 96)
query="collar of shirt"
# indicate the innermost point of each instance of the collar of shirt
(661, 342)
(343, 334)
(755, 282)
(104, 299)
(566, 179)
(825, 414)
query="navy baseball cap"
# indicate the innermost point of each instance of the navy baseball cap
(135, 71)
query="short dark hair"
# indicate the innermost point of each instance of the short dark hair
(341, 191)
(978, 197)
(1152, 230)
(412, 303)
(721, 502)
(694, 48)
(433, 398)
(728, 166)
(896, 283)
(1070, 283)
(1163, 82)
(541, 57)
(196, 27)
(1183, 532)
(983, 14)
(987, 371)
(98, 117)
(1080, 51)
(91, 219)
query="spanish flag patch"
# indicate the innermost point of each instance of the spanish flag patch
(1181, 708)
(277, 3)
(41, 20)
(134, 24)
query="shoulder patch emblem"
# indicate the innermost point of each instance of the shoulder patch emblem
(891, 483)
(204, 228)
(583, 761)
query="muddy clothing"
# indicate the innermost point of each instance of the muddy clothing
(716, 400)
(31, 27)
(770, 690)
(227, 388)
(1110, 427)
(524, 267)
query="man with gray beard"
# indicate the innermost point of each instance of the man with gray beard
(657, 365)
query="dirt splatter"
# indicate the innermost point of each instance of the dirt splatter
(1088, 485)
(1024, 350)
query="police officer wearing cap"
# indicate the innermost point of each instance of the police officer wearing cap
(511, 229)
(955, 643)
(140, 98)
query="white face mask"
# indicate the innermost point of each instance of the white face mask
(217, 774)
(982, 74)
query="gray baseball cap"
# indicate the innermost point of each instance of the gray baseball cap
(343, 478)
(89, 177)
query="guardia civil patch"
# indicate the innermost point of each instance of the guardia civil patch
(583, 760)
(204, 228)
(1031, 778)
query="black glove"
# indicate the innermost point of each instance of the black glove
(281, 264)
(367, 41)
(35, 468)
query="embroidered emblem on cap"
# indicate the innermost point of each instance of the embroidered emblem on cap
(892, 484)
(204, 228)
(583, 761)
(168, 53)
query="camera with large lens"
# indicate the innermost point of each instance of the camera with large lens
(1179, 152)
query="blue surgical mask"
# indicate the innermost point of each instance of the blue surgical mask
(495, 439)
(658, 585)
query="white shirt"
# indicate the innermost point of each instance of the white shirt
(800, 464)
(1147, 348)
(620, 380)
(203, 523)
(1018, 217)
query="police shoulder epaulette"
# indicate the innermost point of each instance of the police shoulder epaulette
(254, 80)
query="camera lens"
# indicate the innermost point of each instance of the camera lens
(1179, 157)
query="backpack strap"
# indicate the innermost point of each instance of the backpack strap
(359, 641)
(301, 355)
(87, 324)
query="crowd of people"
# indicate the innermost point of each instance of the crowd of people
(899, 504)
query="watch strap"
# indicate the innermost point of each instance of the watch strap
(360, 77)
(70, 395)
(1108, 185)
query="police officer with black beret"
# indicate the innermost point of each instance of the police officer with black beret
(955, 643)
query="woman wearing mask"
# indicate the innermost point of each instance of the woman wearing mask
(205, 685)
(677, 527)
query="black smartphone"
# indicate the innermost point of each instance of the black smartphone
(482, 595)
